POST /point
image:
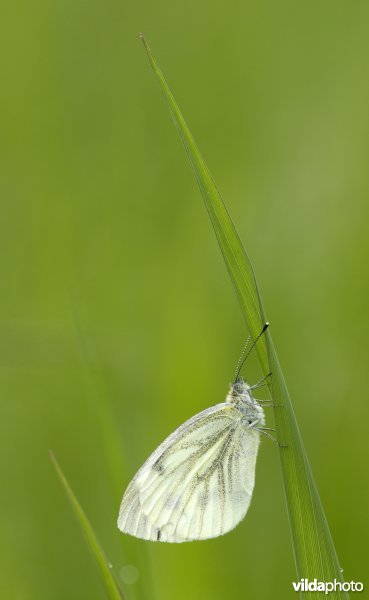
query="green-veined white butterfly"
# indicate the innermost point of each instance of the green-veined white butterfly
(198, 483)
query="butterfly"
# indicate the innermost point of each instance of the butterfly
(199, 482)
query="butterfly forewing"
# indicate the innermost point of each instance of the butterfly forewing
(198, 483)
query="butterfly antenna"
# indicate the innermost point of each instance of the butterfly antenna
(240, 360)
(244, 354)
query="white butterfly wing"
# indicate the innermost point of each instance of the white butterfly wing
(198, 483)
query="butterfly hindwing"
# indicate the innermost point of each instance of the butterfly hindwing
(198, 483)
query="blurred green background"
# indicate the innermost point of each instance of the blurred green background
(117, 319)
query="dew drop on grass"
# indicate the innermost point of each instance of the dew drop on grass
(129, 574)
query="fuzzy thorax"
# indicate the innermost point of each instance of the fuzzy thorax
(240, 394)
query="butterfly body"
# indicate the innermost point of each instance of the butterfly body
(198, 483)
(241, 396)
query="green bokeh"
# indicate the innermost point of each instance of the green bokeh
(117, 319)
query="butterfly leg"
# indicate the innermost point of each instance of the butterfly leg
(270, 405)
(261, 382)
(265, 430)
(267, 434)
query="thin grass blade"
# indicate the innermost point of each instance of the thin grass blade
(111, 585)
(313, 548)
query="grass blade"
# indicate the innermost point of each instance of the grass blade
(313, 548)
(112, 589)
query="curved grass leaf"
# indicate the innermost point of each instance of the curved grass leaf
(112, 588)
(313, 548)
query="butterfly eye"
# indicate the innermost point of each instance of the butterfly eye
(249, 421)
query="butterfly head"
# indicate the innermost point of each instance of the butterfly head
(240, 390)
(240, 394)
